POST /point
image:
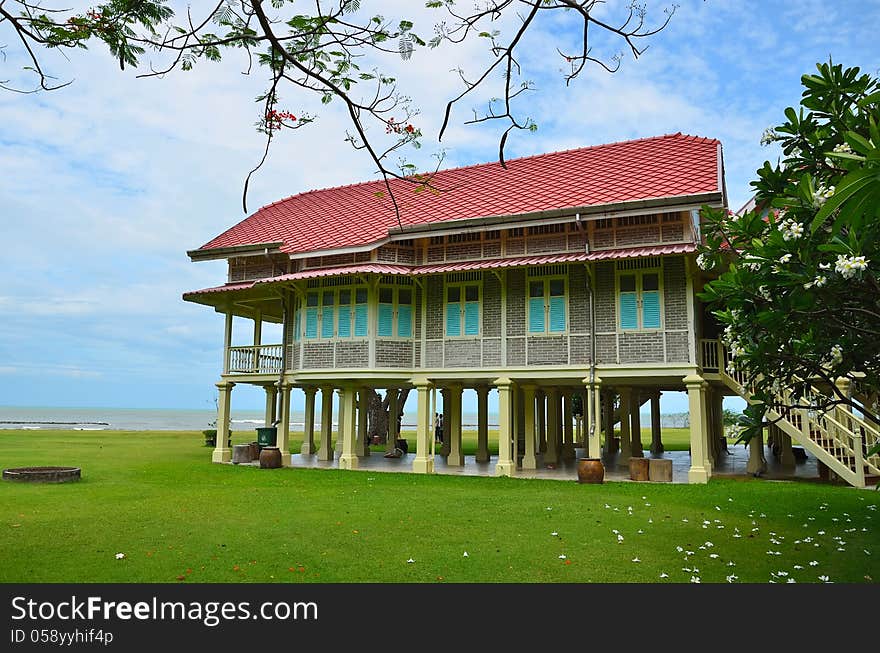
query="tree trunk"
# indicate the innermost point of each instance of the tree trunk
(378, 418)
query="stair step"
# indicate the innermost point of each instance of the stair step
(872, 479)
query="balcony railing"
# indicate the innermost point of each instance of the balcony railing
(265, 359)
(712, 358)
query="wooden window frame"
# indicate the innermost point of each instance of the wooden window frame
(638, 273)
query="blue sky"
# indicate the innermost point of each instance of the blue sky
(105, 184)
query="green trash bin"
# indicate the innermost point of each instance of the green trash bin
(267, 436)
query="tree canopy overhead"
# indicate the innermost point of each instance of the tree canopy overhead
(319, 49)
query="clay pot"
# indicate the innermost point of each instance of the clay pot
(590, 470)
(241, 453)
(270, 458)
(255, 450)
(639, 469)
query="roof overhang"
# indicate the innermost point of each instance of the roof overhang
(254, 249)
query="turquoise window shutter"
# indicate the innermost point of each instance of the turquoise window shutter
(404, 321)
(344, 322)
(296, 324)
(472, 318)
(536, 315)
(311, 323)
(453, 319)
(327, 322)
(651, 309)
(629, 314)
(557, 314)
(386, 320)
(360, 320)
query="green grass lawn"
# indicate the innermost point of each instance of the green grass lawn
(155, 497)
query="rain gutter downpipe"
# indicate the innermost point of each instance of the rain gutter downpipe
(580, 223)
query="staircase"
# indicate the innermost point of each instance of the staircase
(837, 437)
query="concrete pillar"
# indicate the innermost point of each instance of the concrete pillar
(326, 450)
(636, 425)
(700, 469)
(718, 425)
(227, 343)
(593, 429)
(348, 428)
(567, 451)
(482, 424)
(541, 417)
(786, 455)
(340, 415)
(456, 457)
(393, 409)
(712, 449)
(424, 460)
(757, 464)
(656, 435)
(625, 424)
(445, 447)
(529, 461)
(308, 445)
(283, 442)
(518, 417)
(222, 453)
(608, 420)
(551, 455)
(362, 447)
(271, 412)
(505, 464)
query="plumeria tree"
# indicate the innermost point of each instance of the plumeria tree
(798, 292)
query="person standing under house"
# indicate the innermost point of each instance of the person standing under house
(438, 428)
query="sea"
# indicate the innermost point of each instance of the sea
(138, 419)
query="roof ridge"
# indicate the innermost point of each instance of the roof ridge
(489, 163)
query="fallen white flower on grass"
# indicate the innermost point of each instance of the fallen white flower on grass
(562, 556)
(824, 579)
(713, 555)
(798, 567)
(664, 575)
(620, 538)
(615, 531)
(640, 531)
(731, 564)
(554, 533)
(791, 580)
(813, 563)
(732, 578)
(650, 521)
(465, 555)
(737, 535)
(867, 553)
(717, 508)
(410, 561)
(679, 549)
(636, 560)
(120, 556)
(695, 579)
(684, 519)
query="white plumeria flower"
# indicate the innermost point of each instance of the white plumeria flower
(821, 195)
(824, 579)
(731, 564)
(679, 549)
(821, 533)
(732, 578)
(562, 556)
(684, 519)
(664, 575)
(813, 563)
(848, 266)
(843, 148)
(554, 533)
(613, 530)
(636, 560)
(640, 531)
(785, 258)
(410, 561)
(465, 555)
(791, 580)
(120, 556)
(713, 555)
(695, 579)
(619, 538)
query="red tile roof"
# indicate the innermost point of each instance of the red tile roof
(459, 266)
(349, 216)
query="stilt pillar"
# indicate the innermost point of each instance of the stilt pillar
(625, 426)
(482, 424)
(541, 417)
(608, 418)
(308, 445)
(656, 434)
(700, 469)
(445, 446)
(393, 424)
(567, 431)
(786, 455)
(757, 464)
(283, 441)
(348, 428)
(529, 460)
(551, 455)
(456, 457)
(635, 414)
(271, 413)
(424, 460)
(362, 447)
(505, 464)
(340, 415)
(326, 450)
(222, 453)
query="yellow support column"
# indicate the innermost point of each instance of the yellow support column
(700, 469)
(567, 431)
(541, 417)
(447, 422)
(308, 445)
(271, 408)
(656, 435)
(362, 448)
(348, 429)
(326, 451)
(505, 464)
(424, 460)
(393, 408)
(284, 425)
(529, 460)
(593, 418)
(456, 457)
(222, 453)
